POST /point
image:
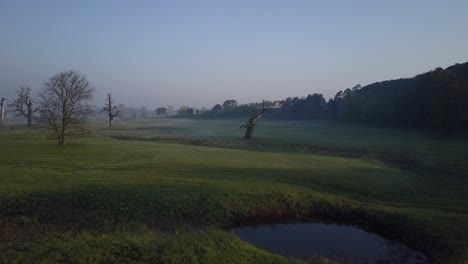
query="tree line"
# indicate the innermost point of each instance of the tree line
(435, 100)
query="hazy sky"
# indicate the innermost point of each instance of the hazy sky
(199, 53)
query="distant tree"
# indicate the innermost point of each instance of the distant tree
(332, 107)
(229, 104)
(111, 109)
(185, 111)
(190, 112)
(315, 105)
(449, 111)
(356, 87)
(161, 111)
(2, 111)
(252, 122)
(182, 110)
(144, 112)
(216, 109)
(23, 104)
(434, 100)
(63, 103)
(349, 108)
(338, 96)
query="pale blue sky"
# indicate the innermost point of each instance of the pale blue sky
(197, 53)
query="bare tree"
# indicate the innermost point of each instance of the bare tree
(2, 111)
(111, 109)
(23, 105)
(252, 121)
(63, 103)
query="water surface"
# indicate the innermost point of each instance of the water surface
(345, 244)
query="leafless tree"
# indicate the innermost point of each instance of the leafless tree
(111, 109)
(2, 111)
(23, 105)
(252, 121)
(63, 103)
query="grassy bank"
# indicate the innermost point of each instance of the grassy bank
(108, 198)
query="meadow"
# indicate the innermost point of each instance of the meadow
(167, 190)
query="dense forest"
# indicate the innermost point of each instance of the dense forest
(435, 100)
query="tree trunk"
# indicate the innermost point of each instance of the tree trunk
(29, 119)
(30, 114)
(248, 133)
(252, 122)
(2, 111)
(111, 120)
(62, 137)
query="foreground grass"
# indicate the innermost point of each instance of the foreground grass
(138, 246)
(99, 199)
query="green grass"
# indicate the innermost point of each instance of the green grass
(167, 198)
(142, 246)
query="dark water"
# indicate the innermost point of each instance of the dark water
(345, 244)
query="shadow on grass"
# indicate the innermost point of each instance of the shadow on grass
(178, 140)
(401, 159)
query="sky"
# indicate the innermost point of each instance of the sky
(199, 53)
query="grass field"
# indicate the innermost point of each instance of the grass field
(165, 190)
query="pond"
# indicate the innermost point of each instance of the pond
(345, 244)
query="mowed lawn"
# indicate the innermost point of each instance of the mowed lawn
(99, 198)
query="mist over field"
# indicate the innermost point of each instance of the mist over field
(234, 132)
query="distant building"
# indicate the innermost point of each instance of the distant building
(277, 104)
